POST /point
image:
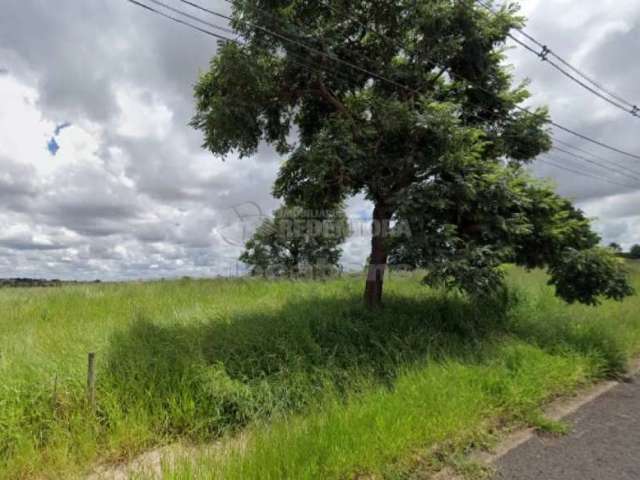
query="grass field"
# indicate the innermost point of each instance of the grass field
(320, 387)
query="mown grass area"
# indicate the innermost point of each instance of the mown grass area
(320, 387)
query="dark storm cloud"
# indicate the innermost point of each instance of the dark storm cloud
(71, 76)
(88, 202)
(26, 242)
(17, 188)
(168, 173)
(162, 169)
(91, 47)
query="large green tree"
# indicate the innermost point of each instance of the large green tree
(296, 241)
(426, 93)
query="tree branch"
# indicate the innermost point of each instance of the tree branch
(325, 94)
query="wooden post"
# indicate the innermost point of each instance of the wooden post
(54, 397)
(91, 380)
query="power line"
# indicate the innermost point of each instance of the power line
(296, 42)
(518, 107)
(608, 169)
(303, 45)
(593, 155)
(546, 52)
(157, 2)
(401, 46)
(570, 76)
(549, 161)
(175, 19)
(357, 67)
(193, 17)
(624, 172)
(591, 140)
(302, 64)
(575, 70)
(633, 108)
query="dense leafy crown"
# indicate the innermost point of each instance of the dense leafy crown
(426, 126)
(463, 229)
(297, 242)
(356, 132)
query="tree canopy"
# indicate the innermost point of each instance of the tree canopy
(464, 228)
(297, 242)
(406, 102)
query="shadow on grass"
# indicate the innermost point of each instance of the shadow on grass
(203, 378)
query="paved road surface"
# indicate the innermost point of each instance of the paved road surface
(604, 444)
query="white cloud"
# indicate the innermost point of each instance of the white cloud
(141, 114)
(130, 193)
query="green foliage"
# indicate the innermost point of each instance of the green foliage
(480, 216)
(549, 426)
(585, 275)
(297, 242)
(634, 252)
(387, 434)
(251, 81)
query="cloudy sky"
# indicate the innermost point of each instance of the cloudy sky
(100, 176)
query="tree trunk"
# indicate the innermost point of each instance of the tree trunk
(378, 257)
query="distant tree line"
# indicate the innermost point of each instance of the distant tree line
(35, 282)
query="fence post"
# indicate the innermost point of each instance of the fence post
(91, 380)
(54, 396)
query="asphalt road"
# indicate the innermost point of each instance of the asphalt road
(603, 444)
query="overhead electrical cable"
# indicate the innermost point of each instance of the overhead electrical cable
(607, 168)
(300, 62)
(175, 19)
(595, 156)
(301, 44)
(518, 107)
(583, 173)
(595, 88)
(359, 68)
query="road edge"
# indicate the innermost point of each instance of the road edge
(556, 410)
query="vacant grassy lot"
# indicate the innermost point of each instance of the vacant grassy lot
(322, 388)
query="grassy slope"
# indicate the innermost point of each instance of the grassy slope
(200, 359)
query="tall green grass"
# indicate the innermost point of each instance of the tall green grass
(301, 366)
(390, 432)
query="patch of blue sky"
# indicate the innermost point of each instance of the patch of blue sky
(53, 146)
